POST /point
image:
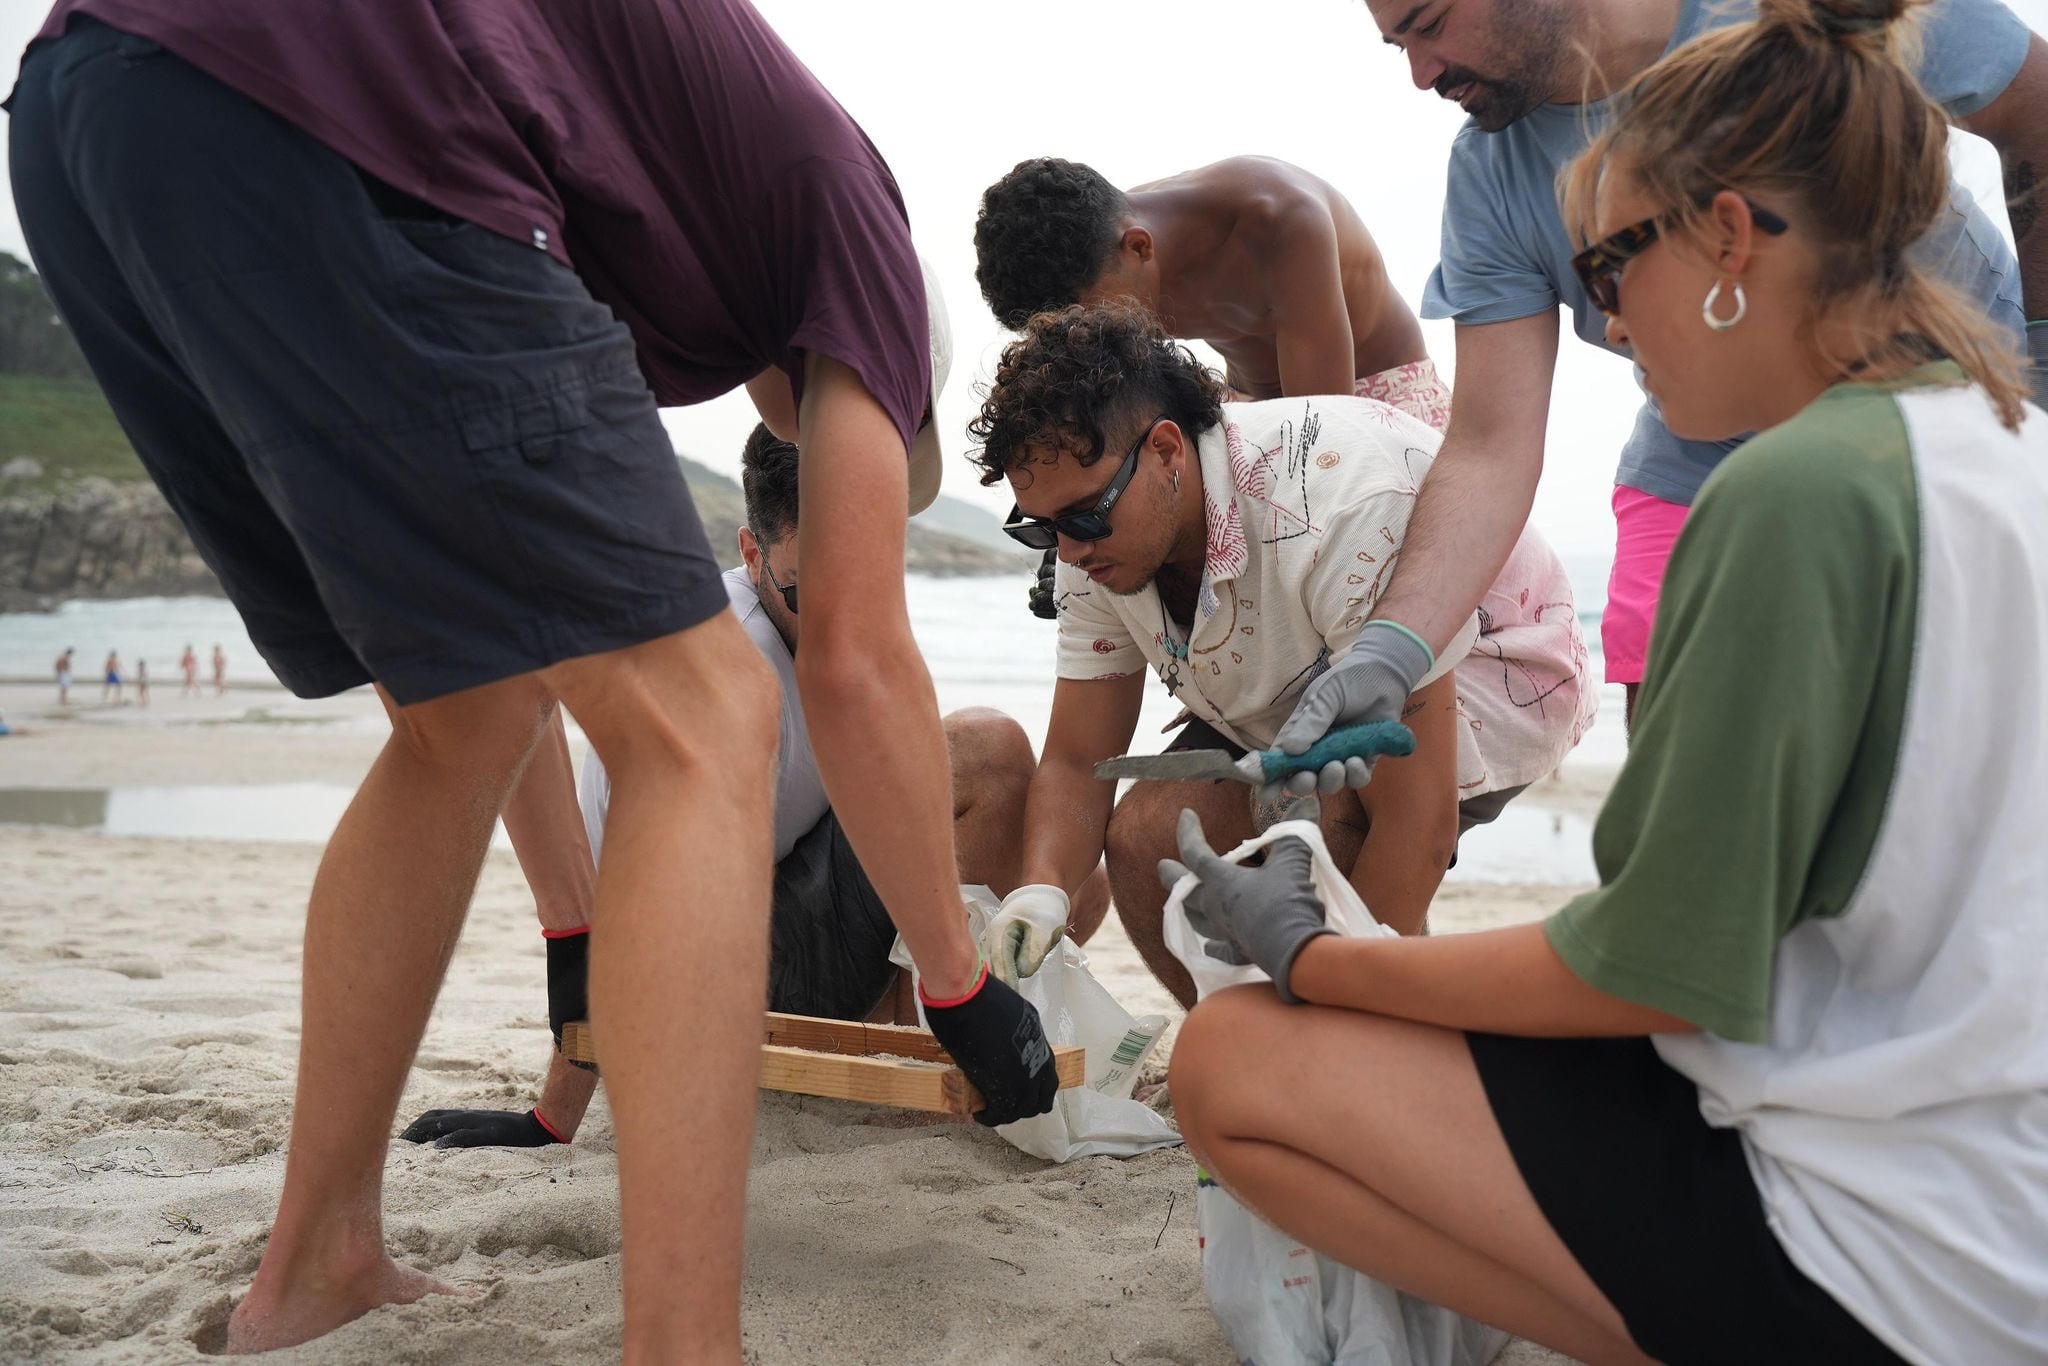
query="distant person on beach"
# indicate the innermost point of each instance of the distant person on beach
(830, 935)
(1776, 1090)
(1534, 76)
(1233, 549)
(188, 664)
(416, 278)
(142, 682)
(1262, 260)
(110, 678)
(63, 670)
(220, 672)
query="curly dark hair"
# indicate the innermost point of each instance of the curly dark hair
(768, 482)
(1045, 232)
(1079, 373)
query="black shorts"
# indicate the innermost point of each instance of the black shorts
(830, 935)
(1658, 1206)
(413, 451)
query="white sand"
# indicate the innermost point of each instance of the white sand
(148, 1023)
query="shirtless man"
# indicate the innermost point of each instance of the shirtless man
(1265, 262)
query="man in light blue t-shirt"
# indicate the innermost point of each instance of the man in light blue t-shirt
(1523, 70)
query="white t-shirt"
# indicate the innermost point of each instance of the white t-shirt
(799, 792)
(1307, 501)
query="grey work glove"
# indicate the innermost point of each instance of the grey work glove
(1369, 683)
(1264, 915)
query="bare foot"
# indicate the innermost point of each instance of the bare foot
(268, 1318)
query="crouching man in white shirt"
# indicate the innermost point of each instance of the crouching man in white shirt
(1234, 549)
(830, 934)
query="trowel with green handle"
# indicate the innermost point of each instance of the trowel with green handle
(1369, 741)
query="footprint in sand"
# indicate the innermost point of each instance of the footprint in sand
(943, 1181)
(222, 1006)
(79, 1261)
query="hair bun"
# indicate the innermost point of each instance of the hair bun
(1848, 18)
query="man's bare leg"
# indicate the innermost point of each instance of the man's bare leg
(387, 905)
(686, 727)
(546, 828)
(1142, 831)
(992, 767)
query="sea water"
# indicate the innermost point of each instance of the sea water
(983, 648)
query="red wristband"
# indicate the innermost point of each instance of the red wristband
(979, 979)
(553, 1132)
(564, 934)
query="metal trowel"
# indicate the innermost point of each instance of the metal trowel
(1369, 741)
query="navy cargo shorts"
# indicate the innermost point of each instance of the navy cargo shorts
(414, 451)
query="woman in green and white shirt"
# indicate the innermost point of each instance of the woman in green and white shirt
(1778, 1089)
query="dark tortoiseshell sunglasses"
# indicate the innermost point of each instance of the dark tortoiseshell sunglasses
(1599, 266)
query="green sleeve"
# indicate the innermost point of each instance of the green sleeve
(1767, 728)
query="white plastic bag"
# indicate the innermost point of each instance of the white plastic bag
(1099, 1118)
(1281, 1303)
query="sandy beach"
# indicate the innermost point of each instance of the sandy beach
(148, 1023)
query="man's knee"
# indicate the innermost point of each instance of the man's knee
(699, 699)
(989, 752)
(1145, 826)
(1140, 833)
(487, 730)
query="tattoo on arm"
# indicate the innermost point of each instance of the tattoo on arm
(1411, 708)
(2022, 198)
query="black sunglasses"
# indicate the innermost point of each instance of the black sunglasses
(788, 590)
(1599, 266)
(1091, 524)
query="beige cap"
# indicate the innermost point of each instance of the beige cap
(926, 460)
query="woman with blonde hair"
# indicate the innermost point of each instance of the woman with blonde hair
(1777, 1090)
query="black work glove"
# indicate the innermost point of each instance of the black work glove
(568, 984)
(1045, 600)
(995, 1036)
(481, 1129)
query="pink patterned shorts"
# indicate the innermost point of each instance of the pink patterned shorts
(1415, 388)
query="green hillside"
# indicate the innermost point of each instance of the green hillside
(65, 426)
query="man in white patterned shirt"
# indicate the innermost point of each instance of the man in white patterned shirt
(1234, 549)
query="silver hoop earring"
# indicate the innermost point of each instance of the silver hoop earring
(1714, 297)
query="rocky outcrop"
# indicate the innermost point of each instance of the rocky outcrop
(95, 539)
(101, 539)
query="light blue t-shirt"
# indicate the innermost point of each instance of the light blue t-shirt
(1506, 254)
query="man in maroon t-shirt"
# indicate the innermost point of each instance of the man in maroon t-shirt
(386, 297)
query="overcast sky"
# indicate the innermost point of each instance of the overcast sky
(1141, 90)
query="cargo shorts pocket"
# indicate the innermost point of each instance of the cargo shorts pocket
(593, 515)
